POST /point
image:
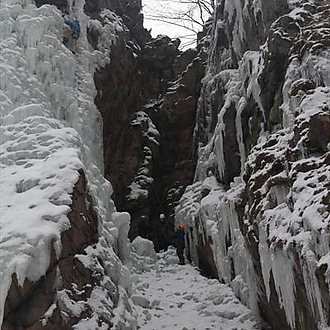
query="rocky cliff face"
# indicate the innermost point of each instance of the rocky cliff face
(148, 95)
(27, 306)
(265, 222)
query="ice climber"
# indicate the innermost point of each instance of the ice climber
(71, 32)
(179, 242)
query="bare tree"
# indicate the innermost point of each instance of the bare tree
(188, 16)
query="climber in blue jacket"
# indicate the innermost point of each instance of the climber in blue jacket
(71, 32)
(179, 242)
(75, 28)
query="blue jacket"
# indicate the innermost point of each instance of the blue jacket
(74, 26)
(178, 239)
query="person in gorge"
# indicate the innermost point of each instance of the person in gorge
(143, 227)
(162, 241)
(178, 240)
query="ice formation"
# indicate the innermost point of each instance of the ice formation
(51, 134)
(51, 130)
(275, 214)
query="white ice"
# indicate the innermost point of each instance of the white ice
(50, 129)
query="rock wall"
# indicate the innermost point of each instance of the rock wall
(147, 96)
(67, 293)
(265, 91)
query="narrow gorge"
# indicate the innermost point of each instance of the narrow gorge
(230, 138)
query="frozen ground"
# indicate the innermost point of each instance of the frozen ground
(170, 296)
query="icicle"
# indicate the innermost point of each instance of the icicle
(309, 264)
(234, 10)
(291, 75)
(239, 132)
(255, 62)
(282, 268)
(276, 260)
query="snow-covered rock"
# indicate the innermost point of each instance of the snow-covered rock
(61, 260)
(263, 133)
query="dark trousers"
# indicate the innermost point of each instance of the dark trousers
(162, 243)
(179, 252)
